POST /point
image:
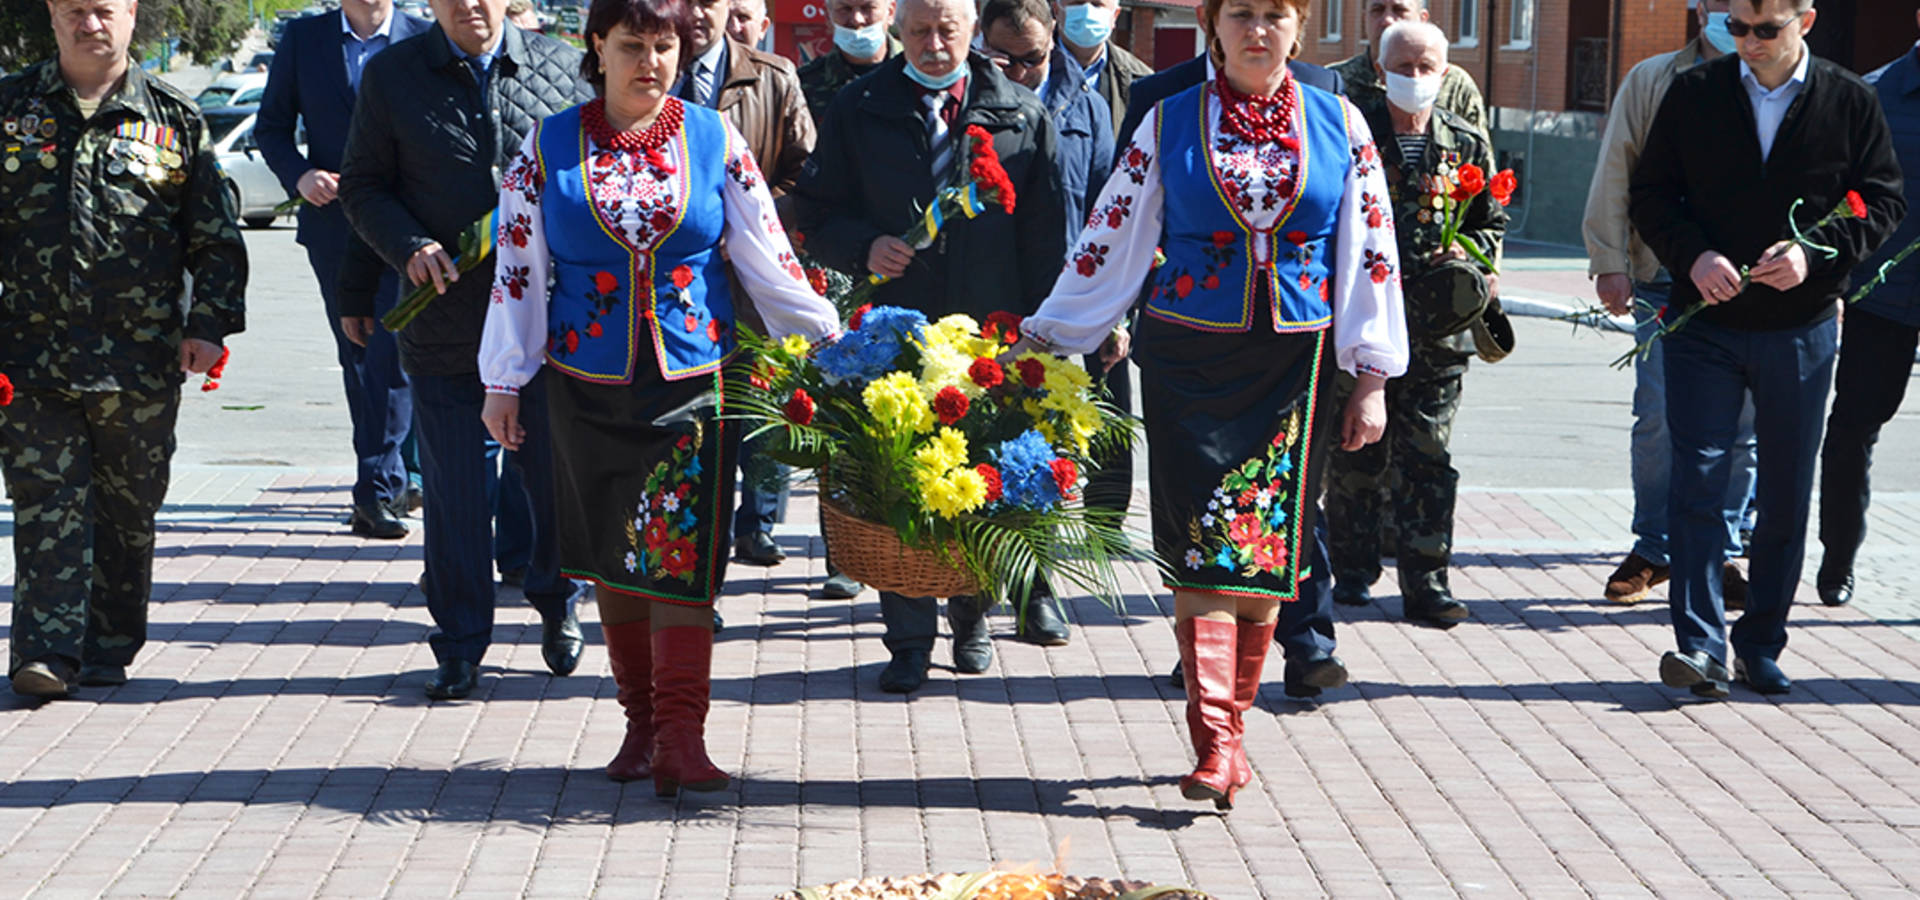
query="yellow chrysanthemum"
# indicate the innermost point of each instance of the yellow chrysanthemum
(796, 344)
(897, 404)
(1066, 378)
(947, 449)
(944, 366)
(960, 491)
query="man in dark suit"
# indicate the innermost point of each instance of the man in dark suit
(315, 75)
(1740, 145)
(1305, 634)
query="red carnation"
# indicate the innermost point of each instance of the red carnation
(992, 476)
(1222, 238)
(986, 373)
(1183, 286)
(800, 407)
(1473, 179)
(1856, 205)
(854, 320)
(594, 330)
(1033, 372)
(1065, 475)
(6, 390)
(572, 340)
(605, 283)
(1002, 326)
(817, 279)
(682, 276)
(1503, 185)
(950, 405)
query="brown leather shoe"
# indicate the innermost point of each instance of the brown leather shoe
(1635, 578)
(1733, 587)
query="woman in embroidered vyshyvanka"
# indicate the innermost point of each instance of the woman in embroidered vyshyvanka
(1267, 200)
(610, 272)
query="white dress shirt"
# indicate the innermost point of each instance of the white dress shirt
(1770, 106)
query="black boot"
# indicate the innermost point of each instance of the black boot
(911, 624)
(972, 648)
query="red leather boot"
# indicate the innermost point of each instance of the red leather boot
(682, 680)
(1249, 661)
(1208, 652)
(630, 650)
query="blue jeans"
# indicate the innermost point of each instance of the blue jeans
(1651, 455)
(460, 478)
(759, 509)
(1709, 369)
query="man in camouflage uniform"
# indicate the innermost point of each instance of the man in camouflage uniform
(1458, 94)
(1420, 147)
(860, 42)
(109, 197)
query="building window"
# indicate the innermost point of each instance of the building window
(1467, 30)
(1336, 13)
(1520, 23)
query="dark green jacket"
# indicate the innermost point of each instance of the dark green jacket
(95, 249)
(823, 76)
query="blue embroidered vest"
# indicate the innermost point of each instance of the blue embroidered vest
(606, 295)
(1209, 280)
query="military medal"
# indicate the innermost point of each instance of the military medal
(12, 126)
(48, 128)
(47, 160)
(29, 123)
(13, 163)
(116, 167)
(137, 168)
(179, 176)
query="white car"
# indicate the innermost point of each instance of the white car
(253, 186)
(236, 89)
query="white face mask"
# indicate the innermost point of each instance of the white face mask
(1412, 94)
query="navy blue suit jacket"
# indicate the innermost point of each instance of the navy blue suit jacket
(1157, 87)
(308, 81)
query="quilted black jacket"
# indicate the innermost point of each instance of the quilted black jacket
(424, 158)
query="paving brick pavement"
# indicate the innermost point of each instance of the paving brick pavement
(274, 742)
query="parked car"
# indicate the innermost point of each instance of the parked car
(253, 186)
(237, 89)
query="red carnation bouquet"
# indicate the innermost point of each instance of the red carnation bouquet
(6, 390)
(987, 184)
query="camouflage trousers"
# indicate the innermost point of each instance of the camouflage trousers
(1407, 475)
(87, 471)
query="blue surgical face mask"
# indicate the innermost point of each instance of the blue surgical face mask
(1087, 25)
(860, 43)
(937, 83)
(1717, 33)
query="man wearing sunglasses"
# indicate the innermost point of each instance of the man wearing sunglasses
(1740, 145)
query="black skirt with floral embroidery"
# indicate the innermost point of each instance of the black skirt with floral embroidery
(644, 478)
(1236, 425)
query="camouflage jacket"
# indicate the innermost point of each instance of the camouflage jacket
(823, 76)
(101, 221)
(1458, 94)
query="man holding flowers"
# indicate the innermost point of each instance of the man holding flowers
(1739, 144)
(1436, 162)
(888, 143)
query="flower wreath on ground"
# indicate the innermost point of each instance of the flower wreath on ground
(918, 426)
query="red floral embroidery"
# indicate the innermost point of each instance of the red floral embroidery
(605, 283)
(744, 171)
(518, 229)
(572, 340)
(1296, 238)
(682, 276)
(1222, 238)
(679, 557)
(1183, 286)
(514, 280)
(693, 322)
(1211, 282)
(594, 330)
(715, 330)
(1135, 162)
(1375, 262)
(1090, 258)
(1370, 206)
(656, 533)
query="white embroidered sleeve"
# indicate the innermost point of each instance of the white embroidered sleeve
(513, 344)
(762, 257)
(1369, 316)
(1107, 267)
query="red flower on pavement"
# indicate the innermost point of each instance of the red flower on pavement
(986, 373)
(950, 405)
(1033, 372)
(1856, 205)
(854, 320)
(682, 276)
(605, 283)
(6, 390)
(594, 330)
(800, 408)
(1065, 476)
(995, 490)
(1503, 185)
(679, 557)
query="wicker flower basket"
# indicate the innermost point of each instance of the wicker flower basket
(873, 554)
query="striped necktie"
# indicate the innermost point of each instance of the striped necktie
(938, 137)
(699, 88)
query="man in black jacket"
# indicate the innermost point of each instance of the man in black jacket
(439, 116)
(1741, 144)
(874, 169)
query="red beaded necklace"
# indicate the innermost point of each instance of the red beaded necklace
(665, 125)
(1254, 117)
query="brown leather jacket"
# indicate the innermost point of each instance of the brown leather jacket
(762, 98)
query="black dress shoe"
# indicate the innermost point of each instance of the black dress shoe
(453, 680)
(840, 587)
(1439, 612)
(1838, 592)
(1042, 625)
(46, 679)
(1349, 595)
(379, 522)
(1178, 677)
(758, 549)
(972, 648)
(1704, 675)
(718, 623)
(561, 642)
(102, 675)
(1307, 679)
(906, 673)
(1761, 674)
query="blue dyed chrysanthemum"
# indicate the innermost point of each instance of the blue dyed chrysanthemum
(871, 350)
(1026, 471)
